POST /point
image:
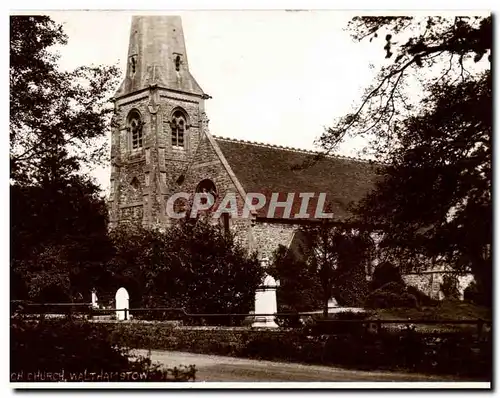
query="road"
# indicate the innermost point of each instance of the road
(214, 368)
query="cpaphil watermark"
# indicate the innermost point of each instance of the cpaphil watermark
(204, 201)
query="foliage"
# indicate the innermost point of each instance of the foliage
(422, 298)
(194, 265)
(433, 205)
(58, 217)
(391, 295)
(59, 240)
(386, 298)
(472, 293)
(441, 311)
(298, 291)
(459, 353)
(74, 349)
(387, 273)
(340, 255)
(445, 160)
(384, 273)
(419, 51)
(56, 117)
(449, 287)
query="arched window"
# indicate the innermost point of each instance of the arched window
(207, 186)
(179, 127)
(135, 128)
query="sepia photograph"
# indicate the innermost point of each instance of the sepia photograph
(250, 199)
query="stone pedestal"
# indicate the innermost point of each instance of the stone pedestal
(265, 302)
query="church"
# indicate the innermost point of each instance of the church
(161, 146)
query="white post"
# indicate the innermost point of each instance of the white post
(265, 301)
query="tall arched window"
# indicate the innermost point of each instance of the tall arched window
(179, 127)
(135, 129)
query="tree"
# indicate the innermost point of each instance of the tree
(300, 288)
(419, 52)
(58, 216)
(444, 160)
(56, 117)
(59, 242)
(434, 202)
(340, 255)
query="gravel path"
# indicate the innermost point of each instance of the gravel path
(215, 368)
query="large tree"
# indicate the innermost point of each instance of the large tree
(57, 118)
(419, 52)
(328, 260)
(434, 203)
(58, 239)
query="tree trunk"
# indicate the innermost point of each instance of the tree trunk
(325, 307)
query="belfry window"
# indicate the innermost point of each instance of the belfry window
(135, 128)
(178, 129)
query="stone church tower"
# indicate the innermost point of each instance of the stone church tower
(159, 120)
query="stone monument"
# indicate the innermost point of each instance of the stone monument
(265, 301)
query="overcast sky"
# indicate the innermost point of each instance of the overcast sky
(275, 76)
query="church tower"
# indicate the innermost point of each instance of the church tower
(158, 122)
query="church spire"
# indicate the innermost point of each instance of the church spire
(157, 56)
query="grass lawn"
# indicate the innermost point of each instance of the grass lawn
(446, 310)
(442, 311)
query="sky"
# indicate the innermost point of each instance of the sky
(278, 77)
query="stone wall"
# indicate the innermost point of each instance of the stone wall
(267, 236)
(430, 282)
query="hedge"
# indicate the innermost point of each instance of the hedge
(59, 350)
(459, 354)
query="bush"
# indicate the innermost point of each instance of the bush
(76, 350)
(472, 294)
(394, 287)
(351, 315)
(385, 273)
(391, 295)
(221, 277)
(422, 298)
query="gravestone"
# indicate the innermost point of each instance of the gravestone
(332, 303)
(94, 299)
(121, 302)
(265, 302)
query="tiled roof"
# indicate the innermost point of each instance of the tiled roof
(263, 168)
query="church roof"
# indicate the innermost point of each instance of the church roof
(263, 168)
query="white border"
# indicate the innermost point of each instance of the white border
(348, 5)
